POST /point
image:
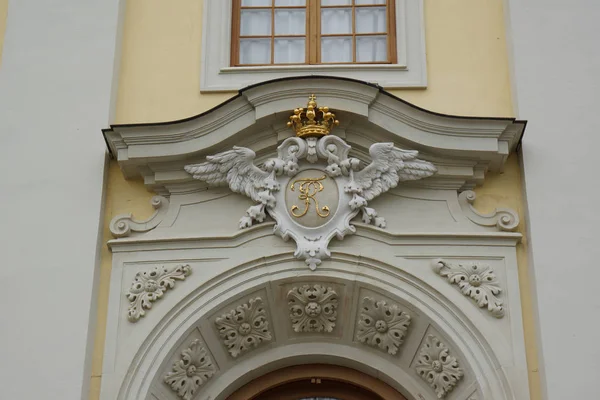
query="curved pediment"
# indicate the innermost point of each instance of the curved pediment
(462, 148)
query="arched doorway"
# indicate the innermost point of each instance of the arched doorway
(316, 382)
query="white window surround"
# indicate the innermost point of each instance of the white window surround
(217, 74)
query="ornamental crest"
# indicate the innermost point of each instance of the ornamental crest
(312, 189)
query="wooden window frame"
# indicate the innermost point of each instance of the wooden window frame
(313, 33)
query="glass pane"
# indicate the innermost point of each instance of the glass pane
(255, 51)
(336, 49)
(370, 20)
(289, 50)
(371, 48)
(336, 2)
(279, 3)
(257, 3)
(336, 20)
(290, 22)
(361, 2)
(255, 23)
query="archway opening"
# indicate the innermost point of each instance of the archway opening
(316, 382)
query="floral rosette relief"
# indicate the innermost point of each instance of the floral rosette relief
(313, 308)
(436, 366)
(476, 281)
(149, 286)
(382, 325)
(245, 327)
(191, 371)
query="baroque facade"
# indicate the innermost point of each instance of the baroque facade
(284, 199)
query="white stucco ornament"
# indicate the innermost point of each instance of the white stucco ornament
(191, 371)
(436, 366)
(313, 308)
(382, 325)
(312, 189)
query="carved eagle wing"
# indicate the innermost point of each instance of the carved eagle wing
(233, 167)
(390, 165)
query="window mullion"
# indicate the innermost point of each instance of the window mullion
(315, 6)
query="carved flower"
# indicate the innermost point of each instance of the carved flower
(290, 168)
(245, 327)
(436, 366)
(333, 170)
(312, 308)
(477, 281)
(357, 202)
(190, 372)
(381, 325)
(149, 286)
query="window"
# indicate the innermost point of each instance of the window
(280, 32)
(245, 42)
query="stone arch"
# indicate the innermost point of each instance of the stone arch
(192, 318)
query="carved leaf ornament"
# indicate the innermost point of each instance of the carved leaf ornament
(476, 281)
(245, 327)
(437, 367)
(382, 325)
(312, 308)
(191, 371)
(149, 286)
(313, 145)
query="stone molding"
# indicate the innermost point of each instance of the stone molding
(467, 147)
(313, 308)
(475, 280)
(149, 286)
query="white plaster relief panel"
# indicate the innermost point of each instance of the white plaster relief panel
(438, 367)
(475, 280)
(382, 325)
(149, 286)
(191, 371)
(245, 327)
(248, 284)
(313, 308)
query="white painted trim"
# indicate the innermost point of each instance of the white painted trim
(217, 75)
(466, 147)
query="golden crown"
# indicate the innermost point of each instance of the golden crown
(313, 121)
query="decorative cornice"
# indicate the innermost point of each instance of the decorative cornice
(476, 281)
(313, 308)
(244, 327)
(436, 366)
(123, 225)
(147, 287)
(163, 148)
(382, 325)
(191, 371)
(504, 219)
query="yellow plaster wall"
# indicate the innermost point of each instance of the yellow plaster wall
(160, 67)
(3, 17)
(159, 81)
